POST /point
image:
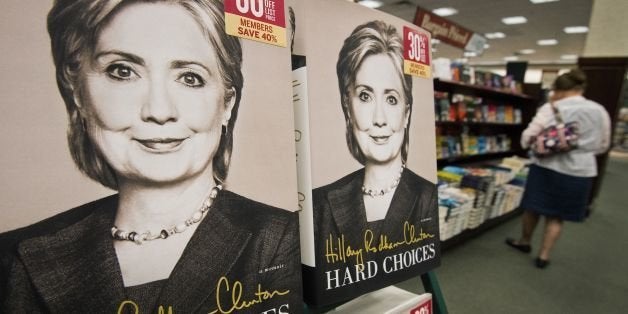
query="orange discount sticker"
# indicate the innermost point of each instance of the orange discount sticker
(416, 54)
(259, 20)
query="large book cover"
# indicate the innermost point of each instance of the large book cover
(175, 189)
(366, 150)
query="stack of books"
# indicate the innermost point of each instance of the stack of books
(468, 196)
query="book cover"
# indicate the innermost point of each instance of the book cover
(441, 106)
(369, 200)
(175, 190)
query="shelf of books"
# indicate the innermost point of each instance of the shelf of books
(458, 159)
(474, 198)
(482, 169)
(480, 124)
(480, 89)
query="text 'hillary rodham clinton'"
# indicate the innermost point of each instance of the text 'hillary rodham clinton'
(338, 251)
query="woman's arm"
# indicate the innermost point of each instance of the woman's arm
(605, 141)
(538, 123)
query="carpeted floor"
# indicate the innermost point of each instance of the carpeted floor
(588, 271)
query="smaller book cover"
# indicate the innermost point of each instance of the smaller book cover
(461, 110)
(473, 104)
(441, 105)
(367, 170)
(477, 113)
(517, 116)
(492, 112)
(501, 114)
(509, 116)
(457, 108)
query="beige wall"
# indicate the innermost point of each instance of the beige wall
(37, 175)
(607, 29)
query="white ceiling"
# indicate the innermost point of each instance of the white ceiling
(545, 21)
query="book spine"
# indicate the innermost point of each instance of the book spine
(304, 164)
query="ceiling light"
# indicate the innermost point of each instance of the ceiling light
(547, 42)
(373, 4)
(542, 1)
(511, 58)
(495, 35)
(445, 11)
(569, 57)
(461, 60)
(576, 29)
(470, 54)
(527, 51)
(435, 41)
(486, 46)
(514, 20)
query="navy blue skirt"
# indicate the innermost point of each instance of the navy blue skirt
(558, 195)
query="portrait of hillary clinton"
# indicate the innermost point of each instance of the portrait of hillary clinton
(382, 207)
(153, 90)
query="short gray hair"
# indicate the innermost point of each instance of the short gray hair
(371, 38)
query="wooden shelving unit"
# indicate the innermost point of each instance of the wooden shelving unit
(464, 159)
(474, 90)
(525, 103)
(485, 124)
(472, 233)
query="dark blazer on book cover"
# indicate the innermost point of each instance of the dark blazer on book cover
(67, 263)
(339, 211)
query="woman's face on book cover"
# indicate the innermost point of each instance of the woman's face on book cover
(378, 109)
(153, 97)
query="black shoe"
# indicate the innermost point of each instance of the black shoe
(525, 248)
(541, 263)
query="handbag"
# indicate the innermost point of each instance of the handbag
(555, 139)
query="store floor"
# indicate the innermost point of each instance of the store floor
(588, 271)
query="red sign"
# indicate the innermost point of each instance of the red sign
(423, 308)
(259, 20)
(267, 11)
(442, 29)
(416, 52)
(416, 46)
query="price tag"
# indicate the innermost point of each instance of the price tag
(259, 20)
(424, 308)
(416, 54)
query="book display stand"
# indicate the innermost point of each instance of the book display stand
(430, 284)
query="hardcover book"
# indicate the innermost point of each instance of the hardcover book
(366, 145)
(175, 190)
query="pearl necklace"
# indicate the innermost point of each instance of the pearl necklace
(139, 238)
(381, 192)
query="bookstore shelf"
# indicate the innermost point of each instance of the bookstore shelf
(490, 124)
(476, 127)
(442, 162)
(476, 123)
(474, 90)
(485, 226)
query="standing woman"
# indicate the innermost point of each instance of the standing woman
(558, 186)
(376, 99)
(152, 90)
